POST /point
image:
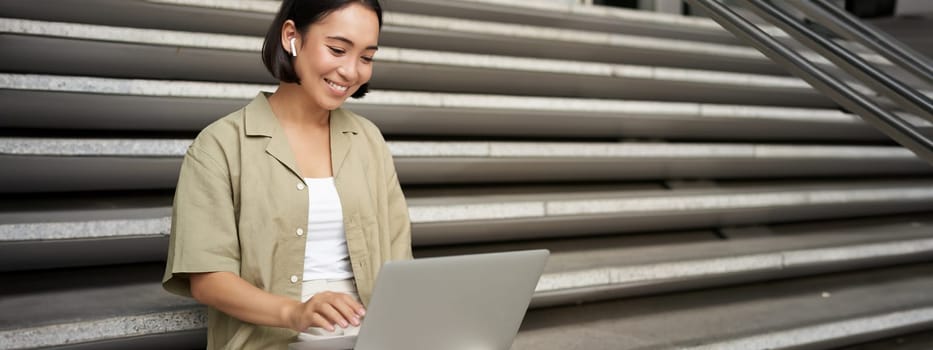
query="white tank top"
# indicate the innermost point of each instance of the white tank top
(326, 255)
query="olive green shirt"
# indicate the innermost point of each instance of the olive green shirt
(241, 200)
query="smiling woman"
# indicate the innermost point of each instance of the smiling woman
(286, 209)
(330, 39)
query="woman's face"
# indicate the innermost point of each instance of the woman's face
(335, 55)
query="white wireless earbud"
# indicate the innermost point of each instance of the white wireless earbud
(294, 52)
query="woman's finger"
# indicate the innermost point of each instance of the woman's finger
(346, 309)
(355, 305)
(318, 320)
(330, 312)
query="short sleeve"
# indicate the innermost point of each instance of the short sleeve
(204, 231)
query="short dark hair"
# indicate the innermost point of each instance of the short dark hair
(304, 13)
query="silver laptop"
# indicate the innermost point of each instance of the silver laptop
(474, 302)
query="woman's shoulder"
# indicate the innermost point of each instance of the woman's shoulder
(226, 132)
(222, 133)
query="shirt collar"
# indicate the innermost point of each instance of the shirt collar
(259, 120)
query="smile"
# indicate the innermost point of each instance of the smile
(335, 85)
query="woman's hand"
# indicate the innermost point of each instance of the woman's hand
(234, 296)
(325, 310)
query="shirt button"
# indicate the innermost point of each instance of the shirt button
(300, 232)
(300, 186)
(294, 279)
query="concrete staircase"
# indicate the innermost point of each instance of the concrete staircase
(693, 195)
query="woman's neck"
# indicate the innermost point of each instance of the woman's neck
(292, 106)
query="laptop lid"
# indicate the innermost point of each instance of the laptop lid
(474, 302)
(467, 302)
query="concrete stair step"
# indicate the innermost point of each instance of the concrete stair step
(497, 38)
(537, 13)
(41, 47)
(921, 340)
(35, 164)
(56, 308)
(610, 267)
(508, 39)
(127, 300)
(451, 34)
(477, 35)
(77, 102)
(808, 313)
(84, 229)
(440, 221)
(252, 17)
(44, 233)
(249, 17)
(465, 162)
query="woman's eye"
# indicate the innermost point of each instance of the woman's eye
(367, 59)
(337, 51)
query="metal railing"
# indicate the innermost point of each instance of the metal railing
(851, 28)
(904, 96)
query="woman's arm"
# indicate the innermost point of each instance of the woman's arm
(399, 220)
(234, 296)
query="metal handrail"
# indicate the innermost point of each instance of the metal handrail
(851, 28)
(903, 95)
(883, 120)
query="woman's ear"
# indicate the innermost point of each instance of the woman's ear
(289, 38)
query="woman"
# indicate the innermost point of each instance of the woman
(286, 209)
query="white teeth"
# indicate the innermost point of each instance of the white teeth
(335, 86)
